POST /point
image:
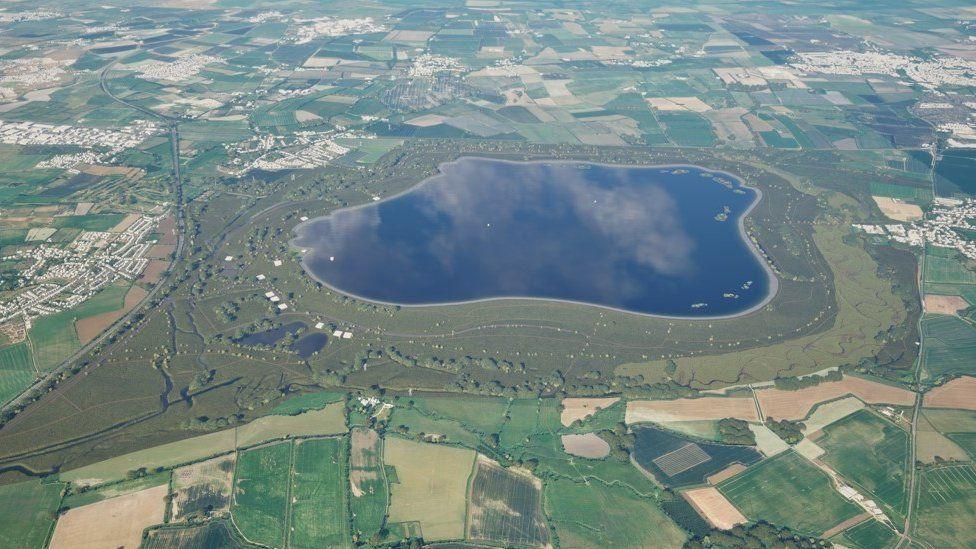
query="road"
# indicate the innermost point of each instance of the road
(178, 210)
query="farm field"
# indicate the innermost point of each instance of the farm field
(869, 534)
(960, 393)
(679, 461)
(691, 409)
(505, 506)
(368, 490)
(946, 504)
(16, 370)
(782, 489)
(795, 405)
(318, 505)
(598, 515)
(431, 486)
(215, 533)
(203, 488)
(581, 408)
(712, 505)
(260, 505)
(949, 345)
(115, 522)
(27, 511)
(872, 454)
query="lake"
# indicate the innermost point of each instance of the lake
(662, 240)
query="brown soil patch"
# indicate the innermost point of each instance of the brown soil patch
(849, 523)
(959, 393)
(126, 222)
(116, 522)
(587, 445)
(944, 304)
(167, 230)
(214, 477)
(726, 473)
(691, 409)
(713, 507)
(109, 170)
(781, 404)
(154, 271)
(898, 210)
(160, 251)
(364, 449)
(582, 408)
(89, 328)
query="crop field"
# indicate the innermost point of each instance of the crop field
(712, 505)
(691, 409)
(16, 370)
(870, 534)
(260, 506)
(431, 487)
(872, 454)
(678, 461)
(115, 522)
(959, 393)
(215, 533)
(594, 514)
(369, 492)
(204, 487)
(27, 511)
(581, 408)
(949, 345)
(318, 506)
(505, 506)
(946, 505)
(783, 489)
(796, 405)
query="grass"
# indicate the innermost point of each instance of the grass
(27, 512)
(80, 499)
(306, 402)
(261, 493)
(866, 305)
(318, 516)
(479, 414)
(16, 370)
(432, 486)
(783, 490)
(418, 423)
(872, 454)
(946, 506)
(595, 514)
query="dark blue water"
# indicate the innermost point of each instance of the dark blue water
(270, 337)
(309, 345)
(656, 240)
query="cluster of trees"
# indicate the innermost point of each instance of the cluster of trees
(788, 430)
(758, 535)
(793, 383)
(736, 431)
(621, 441)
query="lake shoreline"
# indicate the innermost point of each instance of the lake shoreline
(771, 280)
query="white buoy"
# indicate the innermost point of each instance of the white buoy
(331, 258)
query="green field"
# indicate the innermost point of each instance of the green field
(53, 337)
(318, 507)
(594, 514)
(783, 489)
(260, 506)
(870, 534)
(370, 494)
(16, 370)
(946, 506)
(27, 513)
(871, 454)
(949, 345)
(943, 267)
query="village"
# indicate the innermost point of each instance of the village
(59, 278)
